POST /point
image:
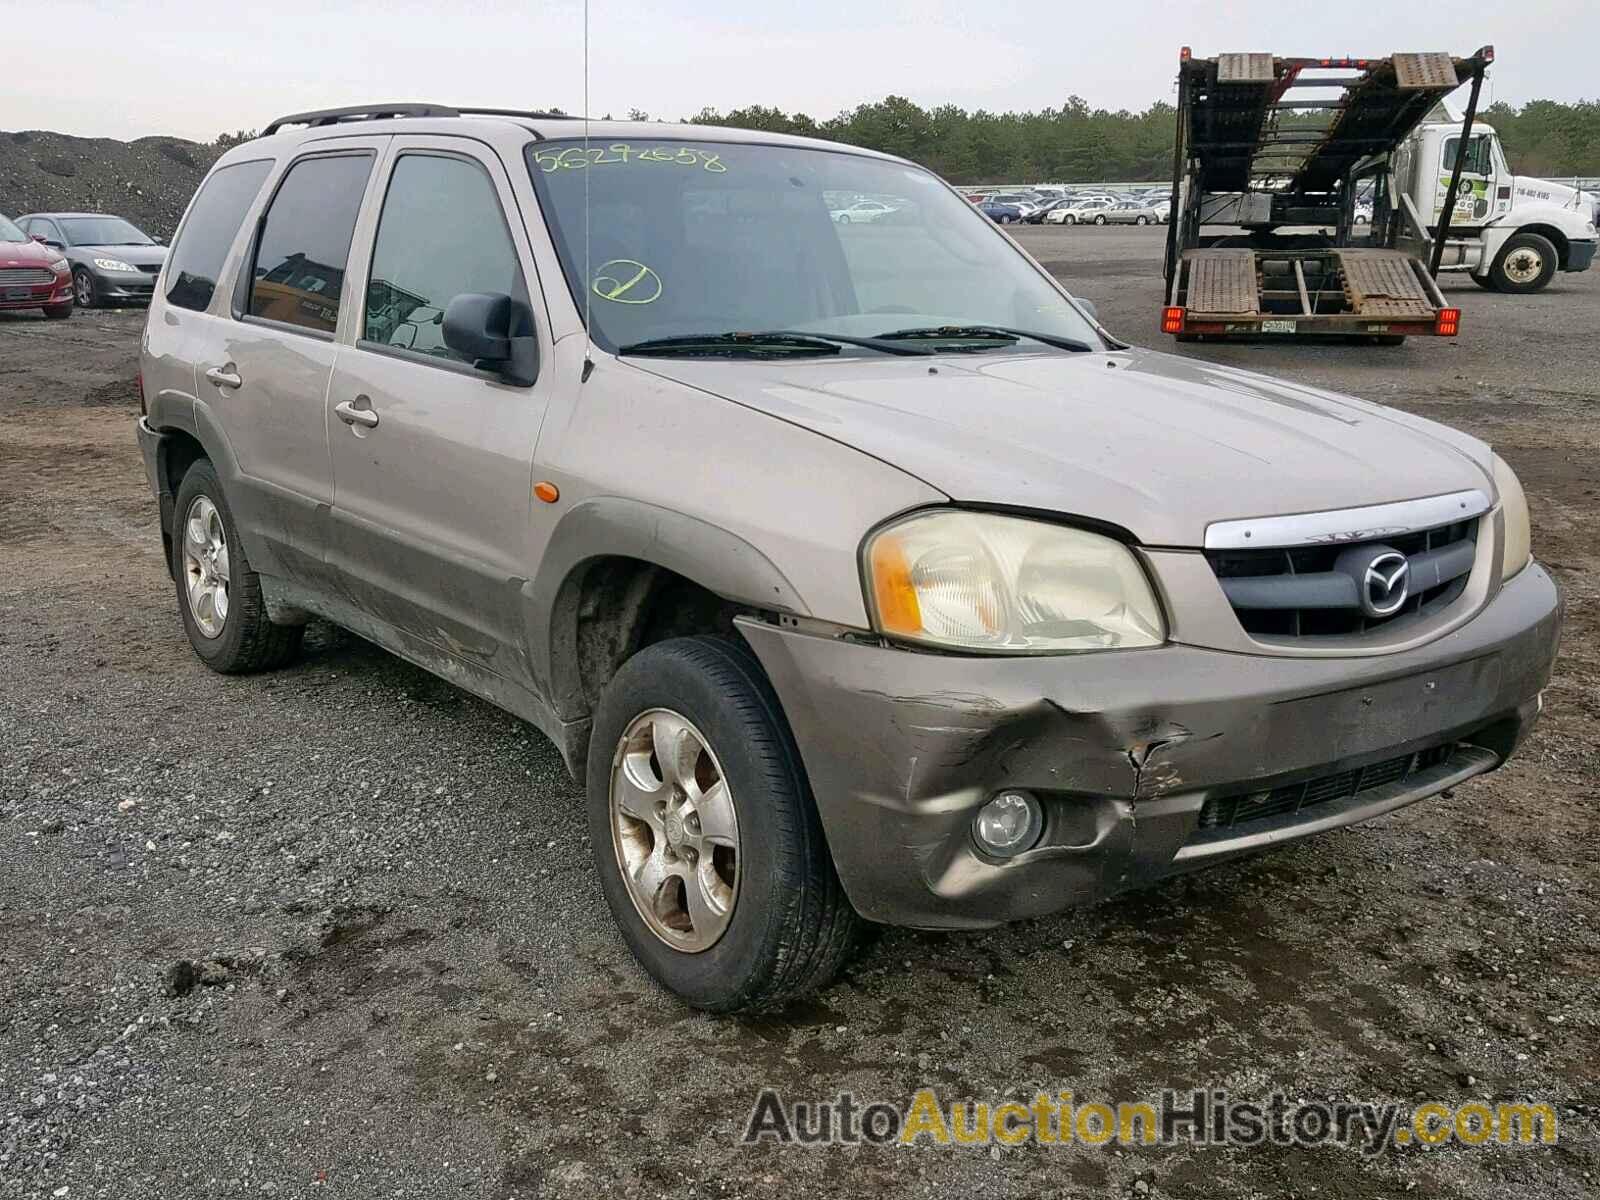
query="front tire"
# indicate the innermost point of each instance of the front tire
(1100, 220)
(83, 288)
(219, 596)
(706, 839)
(1526, 263)
(1141, 221)
(1069, 219)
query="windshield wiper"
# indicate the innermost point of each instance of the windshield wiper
(984, 333)
(770, 342)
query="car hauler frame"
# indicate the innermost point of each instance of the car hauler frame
(1249, 155)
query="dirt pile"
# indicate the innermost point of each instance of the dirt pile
(149, 181)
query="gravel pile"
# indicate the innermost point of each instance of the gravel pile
(148, 181)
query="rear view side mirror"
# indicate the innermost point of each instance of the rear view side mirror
(38, 237)
(494, 333)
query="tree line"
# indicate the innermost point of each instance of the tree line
(1079, 144)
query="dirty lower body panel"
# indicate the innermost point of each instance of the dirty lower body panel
(1146, 762)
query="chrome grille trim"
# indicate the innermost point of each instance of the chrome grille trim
(26, 276)
(1373, 522)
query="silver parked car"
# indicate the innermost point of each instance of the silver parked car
(1077, 212)
(854, 576)
(1129, 212)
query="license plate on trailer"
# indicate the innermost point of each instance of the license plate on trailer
(1277, 327)
(19, 293)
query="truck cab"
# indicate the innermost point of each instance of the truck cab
(1510, 232)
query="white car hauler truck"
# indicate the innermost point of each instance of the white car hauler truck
(1512, 233)
(1267, 143)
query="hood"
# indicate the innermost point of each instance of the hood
(137, 256)
(1526, 190)
(27, 254)
(1154, 443)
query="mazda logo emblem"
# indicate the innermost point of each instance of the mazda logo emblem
(1385, 584)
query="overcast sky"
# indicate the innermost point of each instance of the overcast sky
(194, 68)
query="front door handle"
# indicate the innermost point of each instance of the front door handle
(350, 414)
(224, 376)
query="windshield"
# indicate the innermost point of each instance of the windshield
(696, 238)
(10, 233)
(101, 231)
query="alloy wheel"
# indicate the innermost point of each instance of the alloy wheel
(675, 830)
(206, 567)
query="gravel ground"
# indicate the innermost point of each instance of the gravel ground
(335, 927)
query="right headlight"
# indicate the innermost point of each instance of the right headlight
(1004, 585)
(1514, 508)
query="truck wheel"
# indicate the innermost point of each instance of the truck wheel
(705, 836)
(218, 594)
(1483, 281)
(1525, 264)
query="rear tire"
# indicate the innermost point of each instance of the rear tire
(1389, 339)
(1526, 263)
(1069, 219)
(1141, 221)
(1100, 220)
(785, 926)
(235, 636)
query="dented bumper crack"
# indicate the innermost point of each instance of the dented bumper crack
(1122, 749)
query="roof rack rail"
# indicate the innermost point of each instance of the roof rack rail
(359, 112)
(378, 112)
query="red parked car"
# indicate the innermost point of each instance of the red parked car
(33, 275)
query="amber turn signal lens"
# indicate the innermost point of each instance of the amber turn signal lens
(892, 589)
(547, 491)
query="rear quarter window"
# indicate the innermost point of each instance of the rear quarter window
(213, 222)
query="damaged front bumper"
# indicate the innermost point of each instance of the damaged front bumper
(1147, 762)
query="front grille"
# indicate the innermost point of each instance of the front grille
(26, 276)
(1274, 590)
(1232, 812)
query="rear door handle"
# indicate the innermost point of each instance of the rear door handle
(350, 414)
(224, 376)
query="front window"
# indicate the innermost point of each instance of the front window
(102, 231)
(699, 238)
(1477, 161)
(10, 233)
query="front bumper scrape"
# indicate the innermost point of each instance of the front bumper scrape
(1124, 748)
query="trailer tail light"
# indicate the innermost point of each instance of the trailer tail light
(1184, 53)
(1172, 319)
(1447, 323)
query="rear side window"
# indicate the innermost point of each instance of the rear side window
(442, 233)
(305, 241)
(213, 222)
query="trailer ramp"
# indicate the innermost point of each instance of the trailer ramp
(1383, 283)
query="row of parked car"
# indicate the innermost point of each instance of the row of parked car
(1061, 206)
(61, 260)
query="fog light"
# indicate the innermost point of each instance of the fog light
(1008, 824)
